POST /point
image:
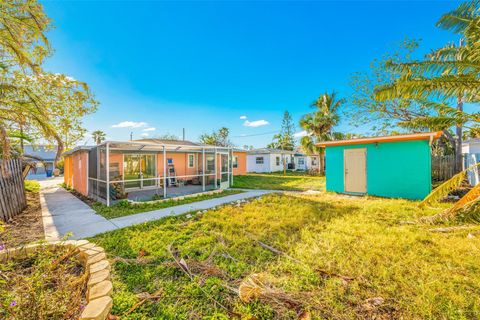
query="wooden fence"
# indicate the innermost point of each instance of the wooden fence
(443, 167)
(12, 191)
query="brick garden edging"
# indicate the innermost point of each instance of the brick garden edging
(94, 260)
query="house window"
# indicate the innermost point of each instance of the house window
(259, 160)
(314, 161)
(235, 162)
(277, 161)
(301, 161)
(191, 160)
(210, 159)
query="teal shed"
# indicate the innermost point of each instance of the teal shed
(394, 166)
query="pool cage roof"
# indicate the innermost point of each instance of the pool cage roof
(160, 145)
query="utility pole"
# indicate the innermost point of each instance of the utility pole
(131, 136)
(183, 134)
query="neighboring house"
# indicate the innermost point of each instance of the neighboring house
(471, 156)
(269, 160)
(305, 162)
(47, 154)
(394, 166)
(147, 167)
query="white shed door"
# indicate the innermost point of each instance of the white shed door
(355, 167)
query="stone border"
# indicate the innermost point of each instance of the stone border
(94, 259)
(193, 195)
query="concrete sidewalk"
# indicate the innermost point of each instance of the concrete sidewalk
(62, 213)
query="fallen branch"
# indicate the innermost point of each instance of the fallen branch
(184, 267)
(147, 297)
(450, 229)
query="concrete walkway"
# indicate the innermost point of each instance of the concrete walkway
(64, 213)
(138, 218)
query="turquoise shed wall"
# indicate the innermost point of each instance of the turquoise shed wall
(394, 169)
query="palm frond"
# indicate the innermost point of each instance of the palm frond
(467, 199)
(435, 67)
(421, 87)
(444, 189)
(459, 19)
(466, 203)
(436, 123)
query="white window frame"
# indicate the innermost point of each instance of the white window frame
(235, 162)
(193, 160)
(302, 163)
(277, 160)
(259, 158)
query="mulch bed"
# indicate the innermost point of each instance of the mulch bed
(26, 227)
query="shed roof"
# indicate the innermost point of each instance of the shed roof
(77, 149)
(402, 137)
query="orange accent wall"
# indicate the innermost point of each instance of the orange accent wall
(180, 162)
(68, 171)
(242, 163)
(79, 176)
(117, 158)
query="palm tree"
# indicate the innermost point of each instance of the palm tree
(320, 123)
(98, 136)
(452, 72)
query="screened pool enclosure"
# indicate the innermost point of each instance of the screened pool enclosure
(142, 170)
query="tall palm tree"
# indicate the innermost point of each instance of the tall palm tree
(98, 136)
(319, 124)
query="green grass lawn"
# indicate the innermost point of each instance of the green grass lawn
(123, 208)
(277, 181)
(344, 258)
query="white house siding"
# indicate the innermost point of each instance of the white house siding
(471, 154)
(472, 147)
(313, 162)
(301, 163)
(273, 161)
(269, 163)
(252, 166)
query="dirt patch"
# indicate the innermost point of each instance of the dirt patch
(26, 227)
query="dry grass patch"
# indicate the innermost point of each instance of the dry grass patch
(47, 284)
(27, 226)
(321, 256)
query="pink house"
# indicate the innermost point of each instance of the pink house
(145, 168)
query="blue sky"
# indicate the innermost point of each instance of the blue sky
(203, 65)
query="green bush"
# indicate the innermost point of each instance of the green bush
(32, 186)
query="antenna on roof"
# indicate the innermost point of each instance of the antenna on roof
(131, 135)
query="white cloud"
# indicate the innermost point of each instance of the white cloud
(300, 134)
(144, 135)
(243, 117)
(256, 123)
(150, 129)
(129, 124)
